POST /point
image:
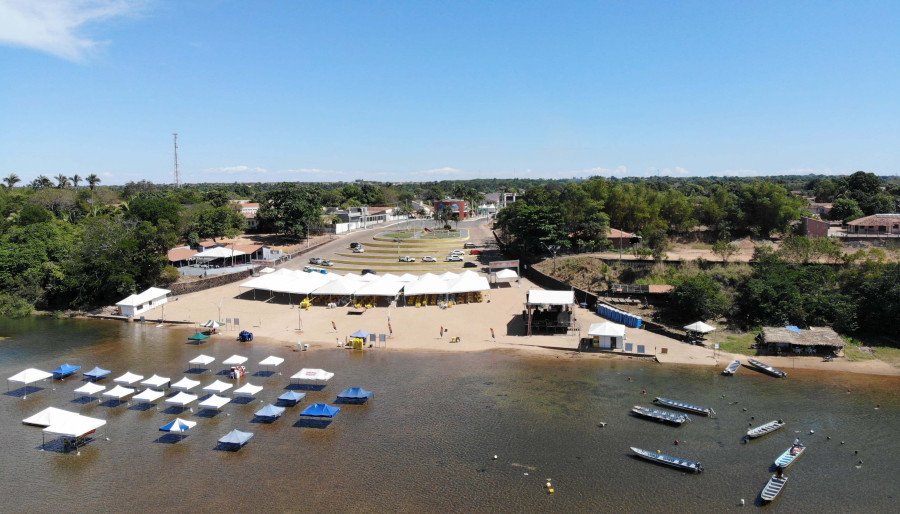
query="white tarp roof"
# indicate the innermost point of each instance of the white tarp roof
(119, 392)
(289, 281)
(384, 286)
(218, 386)
(218, 252)
(90, 389)
(271, 360)
(247, 390)
(312, 374)
(427, 284)
(156, 381)
(468, 283)
(202, 360)
(700, 327)
(128, 378)
(49, 416)
(448, 275)
(506, 274)
(343, 286)
(186, 384)
(408, 277)
(267, 270)
(148, 395)
(214, 402)
(143, 297)
(543, 297)
(607, 329)
(75, 426)
(181, 399)
(211, 324)
(234, 360)
(30, 375)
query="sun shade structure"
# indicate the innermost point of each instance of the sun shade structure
(271, 360)
(357, 394)
(181, 399)
(606, 329)
(29, 376)
(700, 327)
(234, 360)
(156, 381)
(128, 378)
(248, 390)
(292, 397)
(320, 410)
(89, 389)
(148, 396)
(97, 373)
(75, 428)
(218, 387)
(236, 438)
(506, 274)
(119, 392)
(185, 384)
(319, 375)
(65, 370)
(362, 334)
(49, 416)
(211, 324)
(542, 297)
(199, 336)
(178, 425)
(202, 360)
(270, 411)
(214, 402)
(218, 252)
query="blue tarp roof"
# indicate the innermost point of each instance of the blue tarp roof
(270, 411)
(292, 396)
(320, 410)
(66, 369)
(176, 425)
(236, 437)
(355, 393)
(793, 328)
(361, 334)
(97, 372)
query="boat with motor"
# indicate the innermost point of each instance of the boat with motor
(765, 368)
(675, 404)
(668, 460)
(790, 455)
(665, 416)
(773, 487)
(764, 429)
(732, 368)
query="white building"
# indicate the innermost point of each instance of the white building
(607, 335)
(140, 303)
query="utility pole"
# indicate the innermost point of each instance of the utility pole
(177, 171)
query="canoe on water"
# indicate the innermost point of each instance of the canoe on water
(675, 404)
(668, 460)
(773, 487)
(661, 415)
(767, 428)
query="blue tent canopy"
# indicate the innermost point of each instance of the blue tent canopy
(236, 437)
(177, 425)
(361, 334)
(355, 393)
(270, 411)
(65, 370)
(292, 396)
(97, 373)
(320, 410)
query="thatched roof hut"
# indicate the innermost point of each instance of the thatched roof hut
(786, 339)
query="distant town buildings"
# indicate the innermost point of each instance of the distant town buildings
(812, 227)
(876, 224)
(248, 209)
(457, 207)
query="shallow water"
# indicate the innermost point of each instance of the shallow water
(426, 441)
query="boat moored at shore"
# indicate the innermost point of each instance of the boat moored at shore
(668, 460)
(732, 368)
(765, 368)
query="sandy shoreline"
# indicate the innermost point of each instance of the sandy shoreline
(275, 322)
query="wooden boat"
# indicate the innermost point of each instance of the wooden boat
(765, 368)
(787, 458)
(661, 415)
(773, 487)
(732, 368)
(675, 404)
(765, 429)
(668, 460)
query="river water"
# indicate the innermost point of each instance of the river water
(426, 441)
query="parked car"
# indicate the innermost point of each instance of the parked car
(359, 249)
(315, 260)
(454, 258)
(407, 258)
(326, 263)
(470, 264)
(354, 245)
(368, 272)
(428, 258)
(470, 245)
(475, 252)
(457, 252)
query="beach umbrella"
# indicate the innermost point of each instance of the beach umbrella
(211, 324)
(179, 426)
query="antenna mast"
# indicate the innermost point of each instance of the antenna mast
(177, 171)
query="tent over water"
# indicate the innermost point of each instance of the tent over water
(185, 384)
(247, 390)
(89, 389)
(236, 438)
(74, 427)
(119, 392)
(313, 374)
(181, 399)
(148, 396)
(65, 370)
(320, 410)
(156, 381)
(292, 397)
(355, 393)
(97, 373)
(202, 360)
(271, 360)
(198, 336)
(270, 411)
(128, 378)
(49, 416)
(29, 376)
(178, 425)
(214, 402)
(218, 386)
(234, 360)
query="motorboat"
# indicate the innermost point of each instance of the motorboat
(790, 455)
(765, 368)
(773, 487)
(732, 368)
(668, 460)
(661, 415)
(675, 404)
(764, 429)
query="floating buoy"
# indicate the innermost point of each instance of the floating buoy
(842, 442)
(742, 502)
(526, 473)
(828, 437)
(548, 485)
(551, 490)
(602, 424)
(812, 431)
(744, 409)
(676, 442)
(855, 452)
(495, 457)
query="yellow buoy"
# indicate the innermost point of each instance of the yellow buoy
(551, 490)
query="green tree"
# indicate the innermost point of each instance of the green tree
(215, 222)
(11, 180)
(724, 249)
(62, 181)
(76, 179)
(697, 297)
(766, 207)
(845, 209)
(155, 207)
(41, 182)
(289, 210)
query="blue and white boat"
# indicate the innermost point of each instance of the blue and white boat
(732, 368)
(790, 455)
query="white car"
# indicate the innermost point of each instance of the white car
(454, 258)
(457, 252)
(428, 258)
(359, 249)
(407, 258)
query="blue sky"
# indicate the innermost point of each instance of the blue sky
(310, 91)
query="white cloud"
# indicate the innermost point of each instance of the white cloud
(445, 171)
(231, 170)
(56, 26)
(314, 171)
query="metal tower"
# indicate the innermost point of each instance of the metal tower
(177, 171)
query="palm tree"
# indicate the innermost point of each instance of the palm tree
(62, 181)
(41, 182)
(11, 180)
(92, 181)
(76, 179)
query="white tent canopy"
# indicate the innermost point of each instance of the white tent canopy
(700, 327)
(383, 286)
(148, 396)
(214, 402)
(468, 283)
(606, 329)
(128, 378)
(119, 392)
(343, 286)
(156, 381)
(313, 374)
(202, 360)
(218, 386)
(427, 284)
(181, 399)
(211, 324)
(90, 389)
(218, 252)
(271, 360)
(185, 384)
(506, 274)
(76, 426)
(49, 416)
(29, 375)
(143, 297)
(543, 297)
(408, 277)
(234, 360)
(247, 390)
